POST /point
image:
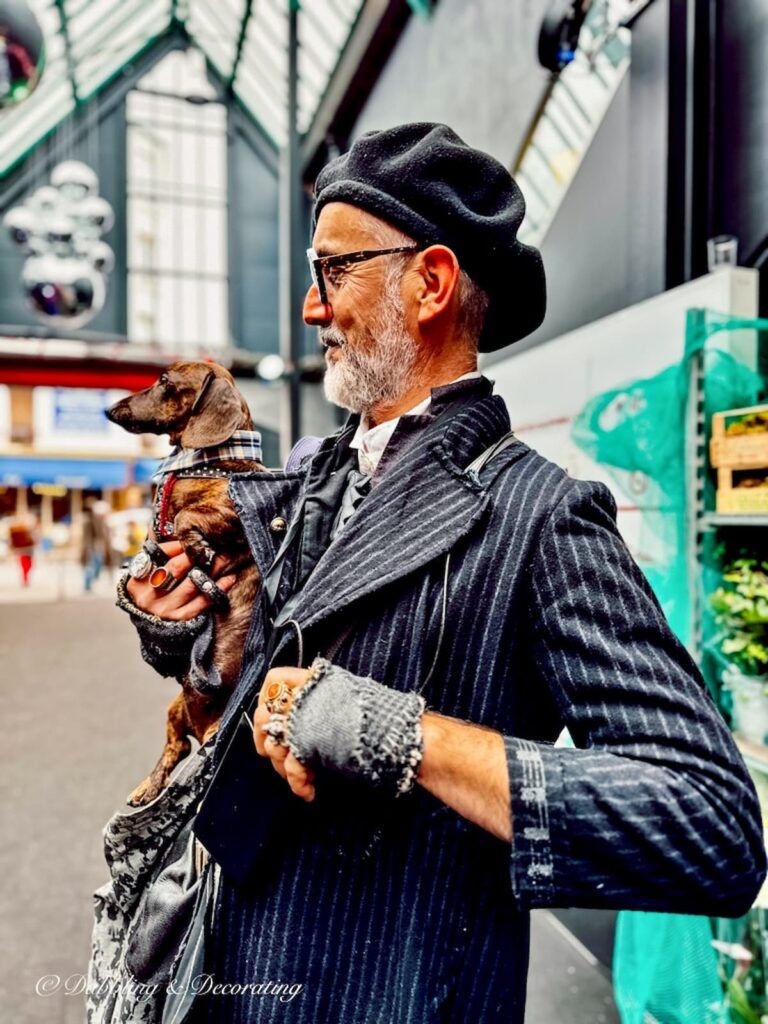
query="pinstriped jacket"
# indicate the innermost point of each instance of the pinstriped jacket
(400, 911)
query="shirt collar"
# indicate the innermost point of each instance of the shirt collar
(370, 442)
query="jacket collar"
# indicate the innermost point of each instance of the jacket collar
(417, 511)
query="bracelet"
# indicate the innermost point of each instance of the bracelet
(171, 627)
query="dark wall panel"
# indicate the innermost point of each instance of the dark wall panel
(606, 247)
(472, 66)
(104, 151)
(253, 228)
(741, 145)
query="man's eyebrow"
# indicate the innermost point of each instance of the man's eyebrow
(324, 250)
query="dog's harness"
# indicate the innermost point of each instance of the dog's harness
(198, 463)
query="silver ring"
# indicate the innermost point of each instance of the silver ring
(140, 566)
(276, 729)
(209, 587)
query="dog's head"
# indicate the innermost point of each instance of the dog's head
(197, 404)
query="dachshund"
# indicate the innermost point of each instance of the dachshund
(198, 406)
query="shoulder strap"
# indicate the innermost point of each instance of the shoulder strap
(477, 464)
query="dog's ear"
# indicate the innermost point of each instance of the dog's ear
(217, 413)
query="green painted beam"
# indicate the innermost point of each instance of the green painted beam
(63, 17)
(240, 42)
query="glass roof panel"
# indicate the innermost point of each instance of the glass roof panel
(98, 37)
(126, 40)
(216, 30)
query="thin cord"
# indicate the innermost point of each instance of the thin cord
(443, 616)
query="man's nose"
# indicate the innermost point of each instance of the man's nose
(315, 312)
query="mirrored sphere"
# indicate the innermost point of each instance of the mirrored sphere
(74, 179)
(45, 199)
(102, 257)
(38, 245)
(96, 211)
(22, 53)
(20, 222)
(69, 292)
(59, 228)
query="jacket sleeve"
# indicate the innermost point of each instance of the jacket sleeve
(655, 810)
(166, 646)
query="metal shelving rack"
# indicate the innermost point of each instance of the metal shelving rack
(697, 519)
(700, 521)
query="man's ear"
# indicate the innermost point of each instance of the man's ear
(216, 415)
(440, 274)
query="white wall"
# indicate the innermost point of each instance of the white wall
(546, 386)
(5, 414)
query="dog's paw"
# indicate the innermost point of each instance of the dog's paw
(197, 548)
(146, 792)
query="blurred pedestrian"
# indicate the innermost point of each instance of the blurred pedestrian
(95, 547)
(22, 538)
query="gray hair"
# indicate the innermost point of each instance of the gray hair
(472, 299)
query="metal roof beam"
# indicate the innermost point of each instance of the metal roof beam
(240, 43)
(64, 19)
(373, 36)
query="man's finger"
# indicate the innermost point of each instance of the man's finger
(279, 766)
(185, 601)
(260, 718)
(171, 548)
(179, 565)
(219, 566)
(300, 778)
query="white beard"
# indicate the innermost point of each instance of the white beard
(380, 373)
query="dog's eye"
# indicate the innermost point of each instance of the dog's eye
(166, 385)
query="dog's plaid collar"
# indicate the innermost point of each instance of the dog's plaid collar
(244, 444)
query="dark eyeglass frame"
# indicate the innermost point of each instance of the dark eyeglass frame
(318, 264)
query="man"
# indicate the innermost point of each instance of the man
(441, 606)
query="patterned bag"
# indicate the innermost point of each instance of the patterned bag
(157, 893)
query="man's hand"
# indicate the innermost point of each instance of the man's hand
(183, 602)
(300, 779)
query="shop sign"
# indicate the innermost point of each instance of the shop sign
(80, 410)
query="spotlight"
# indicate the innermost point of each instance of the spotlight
(270, 368)
(559, 35)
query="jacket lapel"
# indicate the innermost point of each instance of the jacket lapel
(420, 509)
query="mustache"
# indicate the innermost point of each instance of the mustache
(331, 336)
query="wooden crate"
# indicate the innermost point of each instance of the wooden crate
(739, 451)
(731, 453)
(743, 500)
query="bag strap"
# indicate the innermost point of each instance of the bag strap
(473, 469)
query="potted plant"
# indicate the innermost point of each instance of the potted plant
(740, 605)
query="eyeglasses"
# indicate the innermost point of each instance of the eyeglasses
(319, 265)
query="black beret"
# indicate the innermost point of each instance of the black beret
(425, 180)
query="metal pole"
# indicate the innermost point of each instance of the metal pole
(290, 246)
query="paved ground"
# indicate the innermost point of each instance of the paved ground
(82, 722)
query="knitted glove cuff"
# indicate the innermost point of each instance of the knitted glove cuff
(163, 634)
(356, 726)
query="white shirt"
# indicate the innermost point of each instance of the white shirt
(370, 442)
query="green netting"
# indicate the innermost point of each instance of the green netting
(639, 429)
(666, 968)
